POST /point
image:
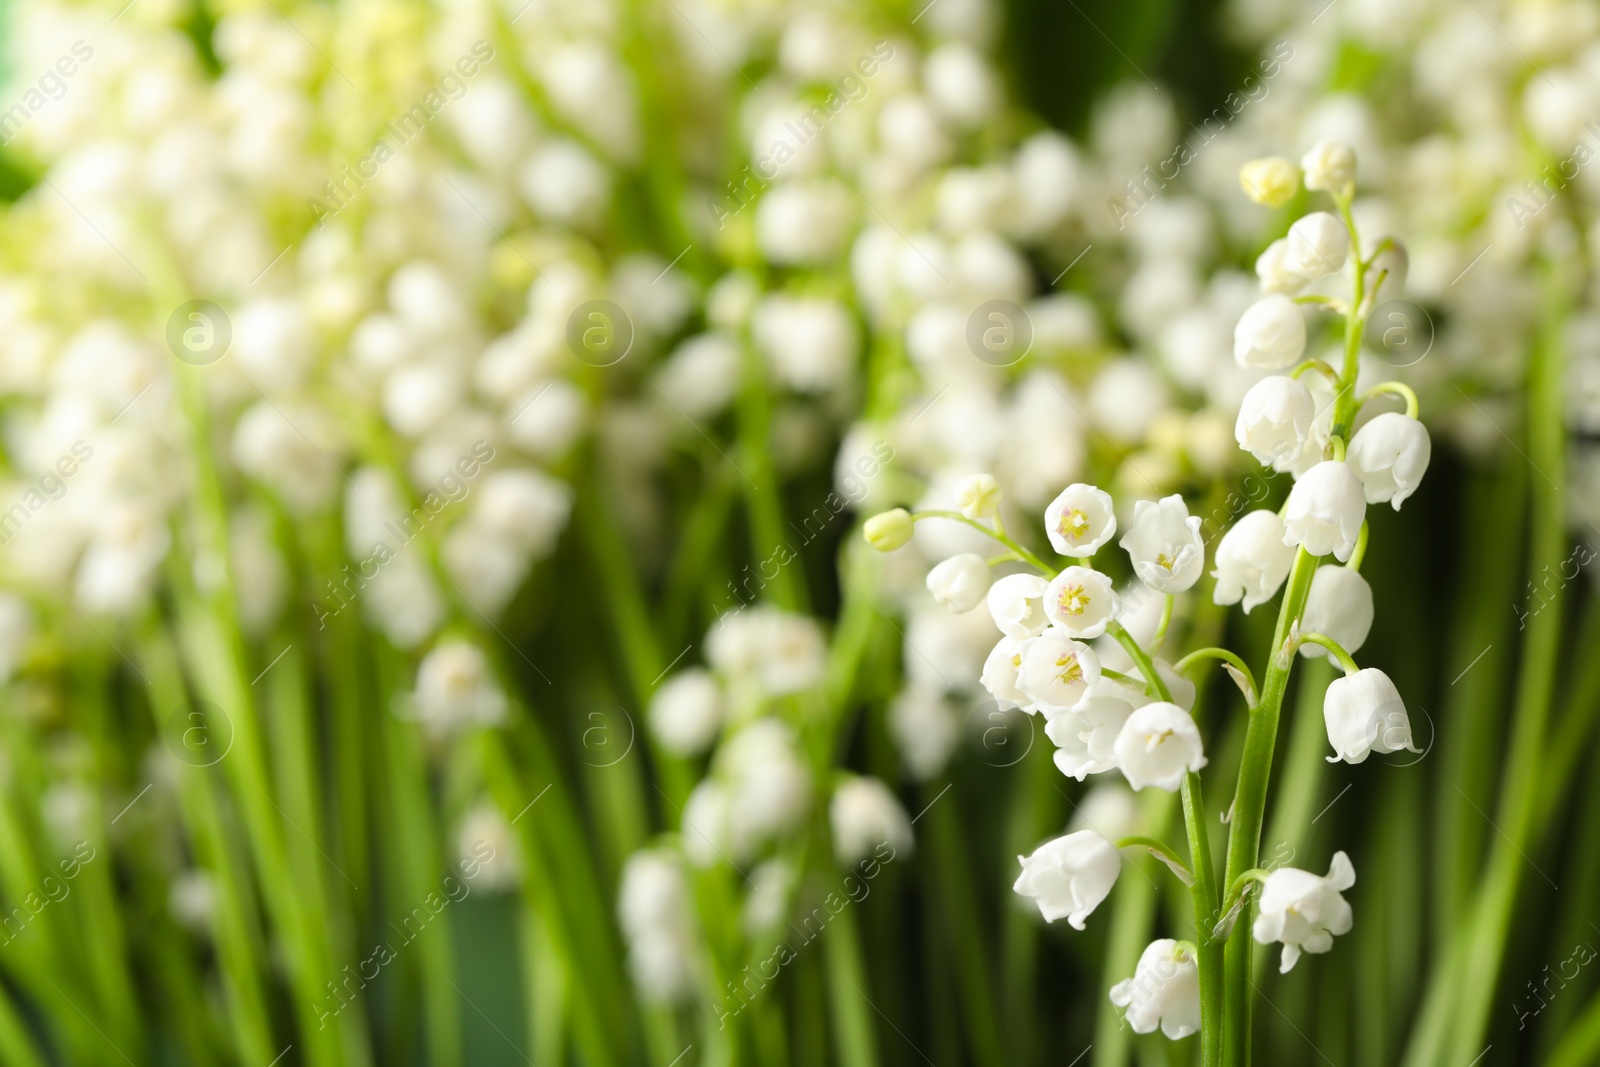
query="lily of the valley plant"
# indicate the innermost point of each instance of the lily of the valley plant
(1124, 704)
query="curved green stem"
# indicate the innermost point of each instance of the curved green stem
(998, 534)
(1320, 365)
(1360, 552)
(1161, 627)
(1399, 389)
(1334, 648)
(1162, 852)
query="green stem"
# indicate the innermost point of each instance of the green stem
(1230, 658)
(999, 535)
(1162, 851)
(1249, 807)
(1334, 648)
(1400, 389)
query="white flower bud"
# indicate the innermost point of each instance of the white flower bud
(1390, 455)
(1069, 876)
(1252, 560)
(686, 712)
(1275, 419)
(960, 582)
(1271, 182)
(1080, 520)
(1329, 166)
(1364, 714)
(1057, 672)
(1339, 606)
(1326, 509)
(1272, 269)
(1158, 745)
(1303, 910)
(1165, 545)
(455, 688)
(1016, 602)
(1270, 335)
(979, 497)
(1317, 245)
(1081, 602)
(1164, 991)
(865, 815)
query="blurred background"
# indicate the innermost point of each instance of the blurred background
(435, 626)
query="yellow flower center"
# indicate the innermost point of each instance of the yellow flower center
(1070, 670)
(1165, 561)
(1074, 524)
(1073, 599)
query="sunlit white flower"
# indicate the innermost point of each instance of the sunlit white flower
(1164, 544)
(1303, 910)
(1164, 991)
(1275, 419)
(1364, 714)
(1340, 606)
(1325, 511)
(865, 815)
(1056, 671)
(1329, 166)
(1080, 520)
(1158, 745)
(686, 712)
(1271, 334)
(1390, 455)
(1252, 560)
(1069, 876)
(960, 582)
(1317, 245)
(1017, 604)
(1081, 602)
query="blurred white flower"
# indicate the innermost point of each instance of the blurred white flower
(456, 689)
(865, 816)
(1330, 166)
(686, 712)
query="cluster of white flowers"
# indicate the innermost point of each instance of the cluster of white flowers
(1068, 635)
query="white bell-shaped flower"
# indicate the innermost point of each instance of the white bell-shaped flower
(979, 497)
(1364, 714)
(1273, 271)
(1017, 604)
(1069, 876)
(1000, 672)
(1329, 166)
(864, 815)
(1275, 419)
(686, 712)
(1252, 560)
(1326, 509)
(1056, 671)
(1339, 605)
(1165, 545)
(1303, 910)
(1271, 334)
(1318, 245)
(1158, 745)
(1390, 455)
(1164, 991)
(1085, 738)
(960, 582)
(1080, 520)
(1081, 602)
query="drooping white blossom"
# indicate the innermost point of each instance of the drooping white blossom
(1164, 991)
(1364, 714)
(1325, 511)
(1329, 166)
(1157, 745)
(960, 582)
(1252, 560)
(1069, 876)
(1271, 334)
(686, 712)
(1303, 910)
(864, 815)
(1339, 605)
(1390, 455)
(1017, 604)
(1275, 419)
